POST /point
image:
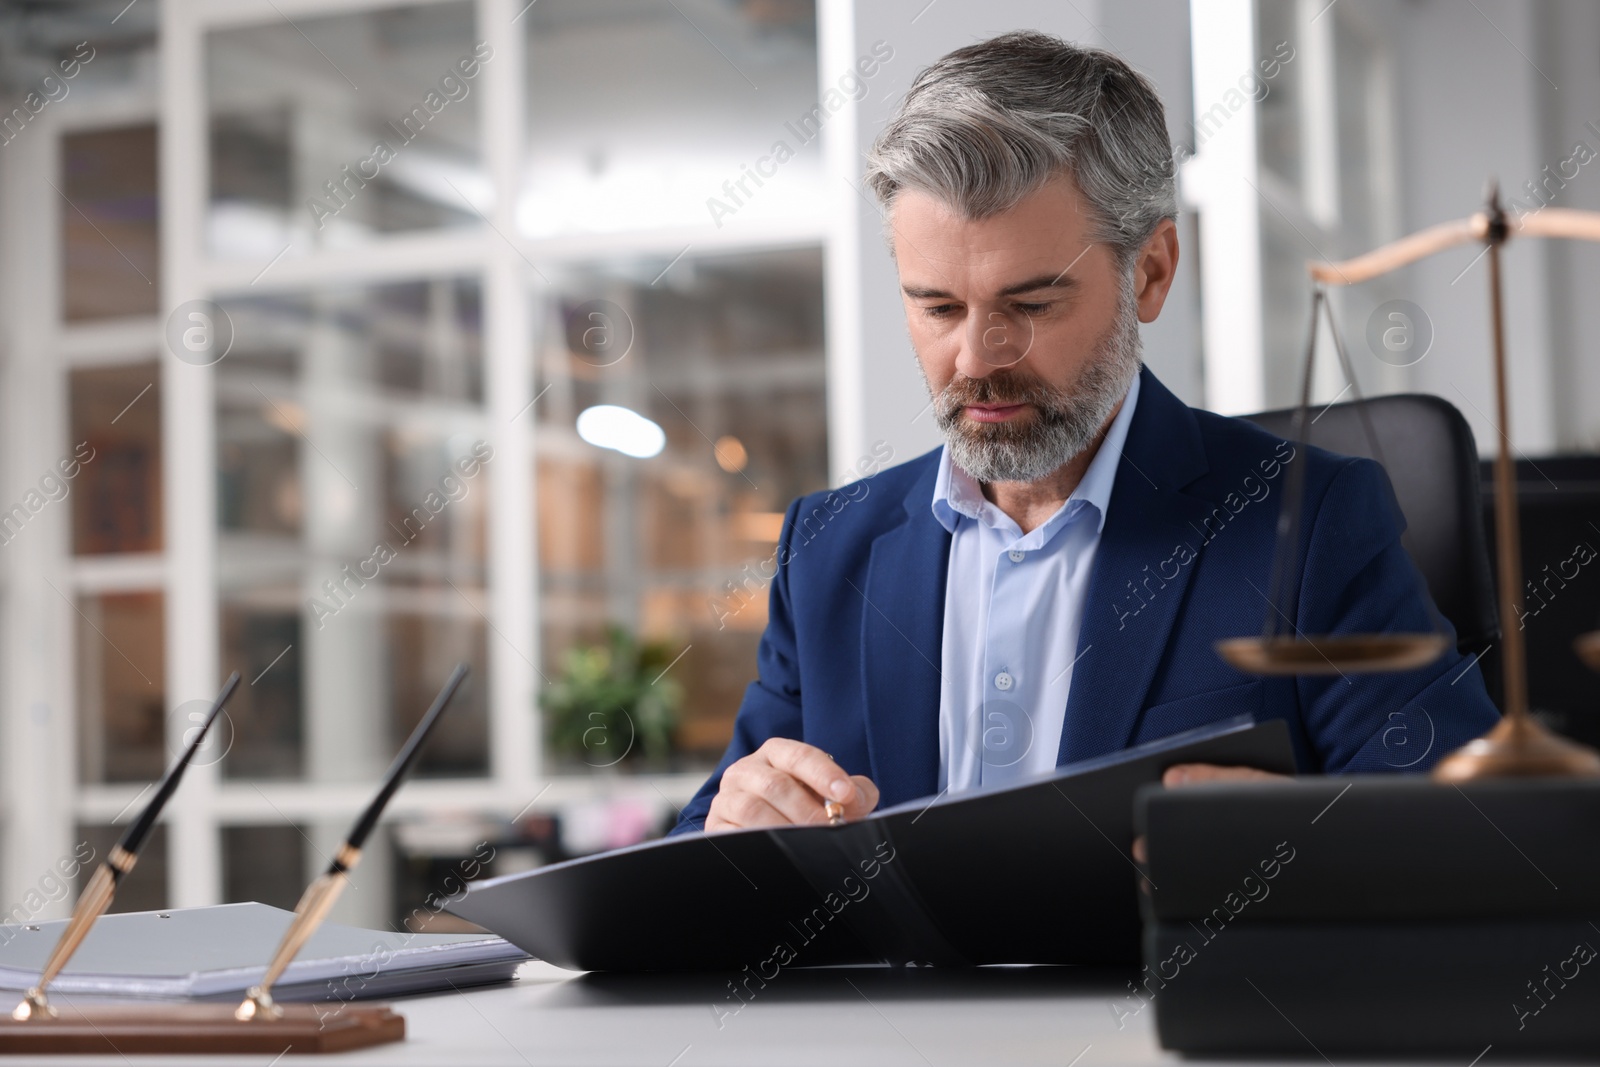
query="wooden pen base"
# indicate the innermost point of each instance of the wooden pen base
(174, 1029)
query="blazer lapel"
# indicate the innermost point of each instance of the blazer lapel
(902, 629)
(1140, 575)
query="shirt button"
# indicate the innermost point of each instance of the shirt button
(1017, 555)
(1003, 681)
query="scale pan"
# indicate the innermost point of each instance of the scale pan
(1588, 648)
(1333, 654)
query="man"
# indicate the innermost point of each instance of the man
(1048, 585)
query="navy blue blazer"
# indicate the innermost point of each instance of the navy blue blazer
(849, 661)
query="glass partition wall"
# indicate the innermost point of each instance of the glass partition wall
(405, 334)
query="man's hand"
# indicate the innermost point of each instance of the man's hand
(1192, 773)
(784, 782)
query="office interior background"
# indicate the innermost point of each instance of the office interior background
(520, 330)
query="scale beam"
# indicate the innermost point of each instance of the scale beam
(1518, 746)
(1549, 222)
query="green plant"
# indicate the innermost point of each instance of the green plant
(612, 701)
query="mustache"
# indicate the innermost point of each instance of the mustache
(1007, 388)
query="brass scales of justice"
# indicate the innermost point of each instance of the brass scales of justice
(1518, 746)
(256, 1025)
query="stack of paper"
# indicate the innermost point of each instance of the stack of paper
(218, 953)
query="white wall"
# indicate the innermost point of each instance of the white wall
(1471, 99)
(1570, 53)
(1153, 35)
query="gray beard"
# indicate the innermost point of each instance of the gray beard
(1065, 420)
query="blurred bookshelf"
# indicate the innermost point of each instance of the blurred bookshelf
(416, 361)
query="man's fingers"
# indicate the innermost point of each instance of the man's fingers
(1190, 773)
(812, 766)
(1141, 856)
(742, 810)
(791, 779)
(866, 799)
(785, 793)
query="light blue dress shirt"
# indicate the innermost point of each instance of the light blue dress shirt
(1013, 609)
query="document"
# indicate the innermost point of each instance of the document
(217, 953)
(1037, 872)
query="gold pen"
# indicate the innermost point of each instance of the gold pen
(830, 807)
(320, 895)
(102, 887)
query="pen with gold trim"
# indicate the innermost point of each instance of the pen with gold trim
(832, 808)
(96, 896)
(319, 897)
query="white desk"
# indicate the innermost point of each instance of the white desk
(916, 1018)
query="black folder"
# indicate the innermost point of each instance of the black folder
(1037, 872)
(1373, 914)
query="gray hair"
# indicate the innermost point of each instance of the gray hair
(992, 122)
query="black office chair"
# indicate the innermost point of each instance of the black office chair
(1433, 464)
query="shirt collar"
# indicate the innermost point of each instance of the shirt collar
(956, 493)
